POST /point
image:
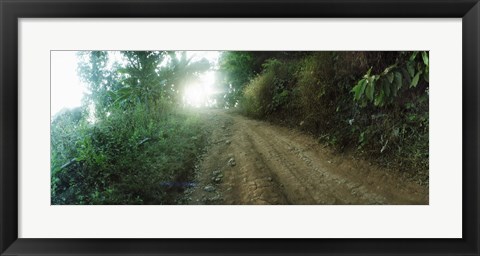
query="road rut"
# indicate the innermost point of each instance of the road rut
(254, 162)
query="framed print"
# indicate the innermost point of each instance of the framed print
(226, 127)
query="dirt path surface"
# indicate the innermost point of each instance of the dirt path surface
(254, 162)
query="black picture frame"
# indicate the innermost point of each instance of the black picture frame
(12, 10)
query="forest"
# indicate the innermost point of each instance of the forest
(341, 127)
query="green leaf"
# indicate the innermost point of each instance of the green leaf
(388, 69)
(425, 58)
(415, 80)
(125, 90)
(412, 57)
(410, 68)
(426, 76)
(359, 89)
(386, 87)
(390, 77)
(379, 99)
(398, 80)
(394, 90)
(370, 89)
(361, 137)
(368, 73)
(412, 118)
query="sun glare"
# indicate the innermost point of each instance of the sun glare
(199, 94)
(195, 95)
(67, 89)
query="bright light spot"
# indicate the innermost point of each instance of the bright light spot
(202, 92)
(195, 95)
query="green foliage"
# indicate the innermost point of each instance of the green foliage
(125, 159)
(132, 147)
(240, 67)
(382, 89)
(386, 119)
(140, 81)
(269, 91)
(313, 90)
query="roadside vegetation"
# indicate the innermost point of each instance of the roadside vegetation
(131, 142)
(134, 140)
(372, 103)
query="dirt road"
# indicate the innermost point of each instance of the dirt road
(254, 162)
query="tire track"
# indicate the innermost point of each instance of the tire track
(276, 165)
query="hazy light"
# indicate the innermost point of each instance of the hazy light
(200, 93)
(66, 88)
(211, 56)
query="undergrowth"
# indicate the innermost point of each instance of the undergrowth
(374, 103)
(128, 158)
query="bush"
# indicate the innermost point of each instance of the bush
(315, 91)
(270, 91)
(128, 158)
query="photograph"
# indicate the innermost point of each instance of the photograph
(231, 127)
(186, 127)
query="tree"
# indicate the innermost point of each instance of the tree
(94, 72)
(141, 83)
(239, 67)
